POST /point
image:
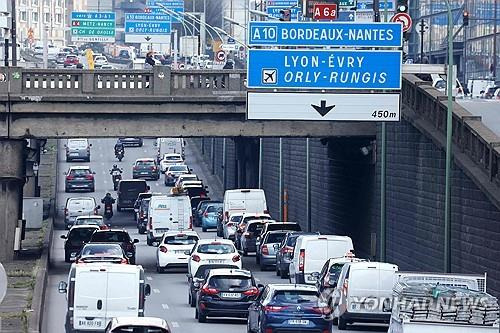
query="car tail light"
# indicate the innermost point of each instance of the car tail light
(251, 292)
(96, 211)
(346, 286)
(230, 224)
(65, 211)
(196, 258)
(323, 310)
(274, 308)
(134, 168)
(153, 168)
(209, 291)
(89, 177)
(226, 214)
(236, 258)
(124, 261)
(141, 215)
(205, 214)
(163, 249)
(190, 222)
(264, 249)
(69, 177)
(268, 330)
(287, 249)
(266, 211)
(302, 260)
(103, 227)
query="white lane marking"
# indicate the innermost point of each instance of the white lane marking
(156, 291)
(105, 182)
(149, 278)
(165, 306)
(175, 324)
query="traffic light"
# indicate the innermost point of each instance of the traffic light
(286, 15)
(465, 18)
(402, 6)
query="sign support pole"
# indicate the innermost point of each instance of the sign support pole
(308, 186)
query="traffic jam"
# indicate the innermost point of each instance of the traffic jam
(217, 249)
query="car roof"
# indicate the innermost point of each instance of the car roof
(89, 217)
(177, 232)
(305, 287)
(81, 198)
(230, 271)
(217, 240)
(100, 244)
(80, 167)
(177, 164)
(255, 214)
(192, 182)
(84, 226)
(344, 260)
(172, 154)
(372, 264)
(144, 159)
(140, 321)
(112, 230)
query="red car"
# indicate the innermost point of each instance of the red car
(71, 60)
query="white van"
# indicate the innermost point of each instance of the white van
(98, 292)
(244, 201)
(170, 146)
(168, 212)
(363, 290)
(312, 251)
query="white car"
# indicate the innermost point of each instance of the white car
(100, 60)
(229, 228)
(210, 251)
(172, 249)
(170, 159)
(187, 177)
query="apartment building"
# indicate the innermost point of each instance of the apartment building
(34, 17)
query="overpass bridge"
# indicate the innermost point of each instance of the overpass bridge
(160, 102)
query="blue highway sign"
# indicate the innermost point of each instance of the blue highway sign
(286, 3)
(321, 34)
(173, 5)
(346, 16)
(368, 5)
(324, 69)
(274, 11)
(147, 28)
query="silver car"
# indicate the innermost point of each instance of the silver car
(269, 247)
(77, 149)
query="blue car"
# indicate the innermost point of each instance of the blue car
(210, 215)
(289, 308)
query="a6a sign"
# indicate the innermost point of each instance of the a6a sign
(324, 11)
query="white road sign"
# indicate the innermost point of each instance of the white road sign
(229, 47)
(322, 106)
(154, 39)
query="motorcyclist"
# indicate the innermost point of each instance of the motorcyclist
(119, 147)
(115, 168)
(108, 200)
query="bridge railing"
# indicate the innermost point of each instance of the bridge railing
(159, 81)
(469, 133)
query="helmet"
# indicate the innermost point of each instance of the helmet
(115, 166)
(108, 194)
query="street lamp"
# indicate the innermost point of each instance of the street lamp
(449, 119)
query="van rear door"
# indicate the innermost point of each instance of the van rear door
(90, 299)
(316, 255)
(123, 294)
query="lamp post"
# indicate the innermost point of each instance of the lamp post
(449, 119)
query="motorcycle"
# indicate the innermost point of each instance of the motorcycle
(119, 154)
(108, 211)
(116, 175)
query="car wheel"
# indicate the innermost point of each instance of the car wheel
(132, 260)
(278, 271)
(192, 301)
(66, 190)
(249, 330)
(335, 321)
(342, 324)
(92, 189)
(118, 208)
(149, 241)
(159, 269)
(67, 257)
(262, 267)
(283, 274)
(203, 229)
(202, 318)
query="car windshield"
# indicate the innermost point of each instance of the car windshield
(281, 226)
(213, 208)
(145, 204)
(189, 178)
(105, 249)
(178, 168)
(203, 269)
(90, 221)
(77, 144)
(145, 163)
(111, 236)
(79, 172)
(132, 186)
(172, 158)
(275, 238)
(335, 271)
(236, 218)
(180, 240)
(294, 297)
(256, 217)
(215, 248)
(256, 227)
(80, 235)
(138, 329)
(222, 282)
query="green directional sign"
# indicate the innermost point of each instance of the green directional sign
(93, 27)
(347, 3)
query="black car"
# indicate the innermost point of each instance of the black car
(142, 215)
(196, 281)
(75, 239)
(226, 293)
(102, 252)
(128, 191)
(130, 142)
(200, 203)
(117, 236)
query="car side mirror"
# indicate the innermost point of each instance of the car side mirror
(206, 186)
(189, 276)
(98, 207)
(93, 172)
(65, 173)
(64, 237)
(190, 170)
(65, 146)
(260, 286)
(136, 241)
(147, 290)
(63, 287)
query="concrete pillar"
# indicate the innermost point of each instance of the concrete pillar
(12, 171)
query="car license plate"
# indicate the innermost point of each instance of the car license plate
(180, 251)
(161, 230)
(311, 278)
(144, 173)
(230, 295)
(90, 323)
(216, 261)
(73, 154)
(298, 322)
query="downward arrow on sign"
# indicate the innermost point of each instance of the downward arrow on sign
(147, 38)
(323, 109)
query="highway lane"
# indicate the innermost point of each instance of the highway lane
(169, 290)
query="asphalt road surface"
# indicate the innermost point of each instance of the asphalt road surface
(168, 299)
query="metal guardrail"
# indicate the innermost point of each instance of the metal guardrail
(159, 81)
(472, 137)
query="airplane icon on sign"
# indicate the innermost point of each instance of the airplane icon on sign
(269, 75)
